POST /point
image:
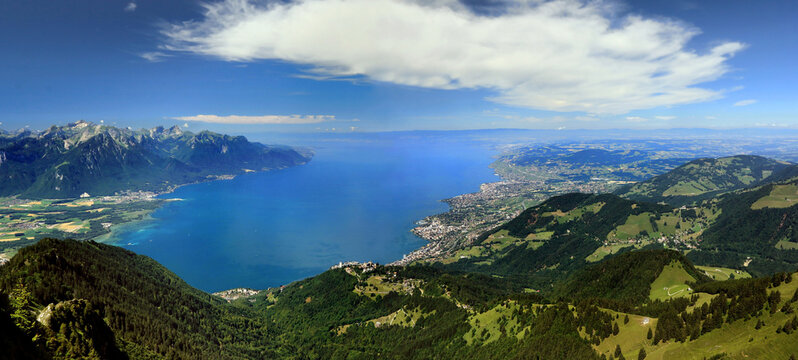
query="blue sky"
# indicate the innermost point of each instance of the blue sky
(319, 65)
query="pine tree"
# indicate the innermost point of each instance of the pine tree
(22, 303)
(615, 329)
(618, 350)
(626, 319)
(649, 335)
(642, 354)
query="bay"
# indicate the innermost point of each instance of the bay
(356, 200)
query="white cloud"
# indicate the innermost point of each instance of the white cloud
(131, 7)
(262, 119)
(745, 102)
(562, 55)
(665, 118)
(636, 119)
(155, 56)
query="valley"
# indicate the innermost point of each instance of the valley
(23, 222)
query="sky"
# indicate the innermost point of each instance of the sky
(386, 65)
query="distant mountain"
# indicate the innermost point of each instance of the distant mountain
(585, 164)
(704, 178)
(81, 157)
(545, 155)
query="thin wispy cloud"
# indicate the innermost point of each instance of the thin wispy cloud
(636, 119)
(155, 56)
(261, 119)
(562, 55)
(130, 7)
(745, 102)
(665, 118)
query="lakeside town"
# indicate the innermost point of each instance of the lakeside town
(495, 203)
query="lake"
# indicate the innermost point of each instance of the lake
(356, 200)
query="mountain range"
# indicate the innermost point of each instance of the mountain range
(706, 177)
(82, 157)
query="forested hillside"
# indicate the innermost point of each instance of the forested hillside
(703, 179)
(67, 299)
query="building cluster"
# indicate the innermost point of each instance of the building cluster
(238, 293)
(130, 196)
(363, 266)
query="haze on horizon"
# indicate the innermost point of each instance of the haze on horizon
(384, 65)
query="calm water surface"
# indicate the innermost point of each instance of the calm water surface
(356, 200)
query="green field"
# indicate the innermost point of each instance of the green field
(23, 222)
(486, 326)
(786, 245)
(376, 285)
(649, 226)
(630, 335)
(496, 243)
(543, 235)
(738, 340)
(671, 282)
(634, 225)
(688, 189)
(719, 273)
(782, 196)
(563, 217)
(401, 317)
(605, 250)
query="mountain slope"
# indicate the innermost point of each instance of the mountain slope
(147, 312)
(753, 230)
(72, 300)
(148, 308)
(81, 157)
(549, 241)
(756, 229)
(628, 278)
(703, 178)
(585, 164)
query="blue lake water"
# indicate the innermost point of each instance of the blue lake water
(356, 200)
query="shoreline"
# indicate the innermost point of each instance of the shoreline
(127, 197)
(444, 235)
(105, 238)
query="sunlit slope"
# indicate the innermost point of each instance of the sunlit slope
(703, 178)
